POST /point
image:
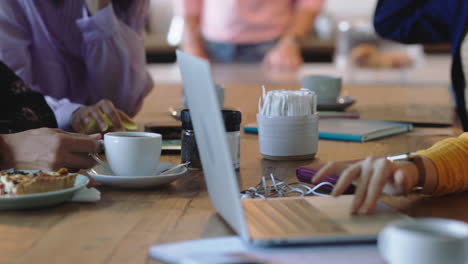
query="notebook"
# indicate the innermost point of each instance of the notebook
(352, 129)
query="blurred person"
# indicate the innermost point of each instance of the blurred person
(79, 53)
(248, 31)
(28, 135)
(431, 21)
(440, 170)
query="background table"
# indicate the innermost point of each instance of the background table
(125, 223)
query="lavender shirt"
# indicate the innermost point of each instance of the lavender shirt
(74, 58)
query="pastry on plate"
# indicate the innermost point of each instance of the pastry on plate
(368, 56)
(21, 182)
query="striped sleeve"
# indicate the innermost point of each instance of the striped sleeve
(450, 157)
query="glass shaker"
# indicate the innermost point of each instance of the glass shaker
(189, 153)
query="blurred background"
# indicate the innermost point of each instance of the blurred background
(164, 30)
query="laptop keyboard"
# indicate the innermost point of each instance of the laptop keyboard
(286, 217)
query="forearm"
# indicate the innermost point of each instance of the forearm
(192, 32)
(301, 23)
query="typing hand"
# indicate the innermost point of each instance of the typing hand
(101, 117)
(372, 177)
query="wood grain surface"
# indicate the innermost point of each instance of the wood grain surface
(125, 223)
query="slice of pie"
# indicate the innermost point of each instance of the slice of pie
(19, 182)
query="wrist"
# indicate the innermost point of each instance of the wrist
(192, 39)
(75, 119)
(427, 175)
(75, 114)
(431, 178)
(412, 175)
(292, 39)
(414, 161)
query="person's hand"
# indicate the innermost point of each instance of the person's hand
(48, 149)
(372, 177)
(96, 5)
(286, 55)
(100, 117)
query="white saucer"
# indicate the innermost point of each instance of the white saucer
(103, 174)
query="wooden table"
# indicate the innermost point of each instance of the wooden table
(125, 223)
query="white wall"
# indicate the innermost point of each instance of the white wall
(162, 11)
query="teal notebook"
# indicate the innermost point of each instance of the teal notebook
(352, 129)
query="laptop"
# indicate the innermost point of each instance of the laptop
(274, 221)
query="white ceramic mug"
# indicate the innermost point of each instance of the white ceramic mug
(425, 241)
(288, 137)
(132, 153)
(327, 87)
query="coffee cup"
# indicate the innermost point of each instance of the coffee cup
(132, 153)
(425, 241)
(327, 87)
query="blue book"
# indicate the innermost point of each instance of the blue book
(352, 129)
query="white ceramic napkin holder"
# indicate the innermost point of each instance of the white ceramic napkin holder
(288, 137)
(288, 125)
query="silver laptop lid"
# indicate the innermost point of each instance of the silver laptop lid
(211, 139)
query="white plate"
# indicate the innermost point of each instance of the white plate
(36, 200)
(104, 175)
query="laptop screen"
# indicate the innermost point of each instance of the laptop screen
(221, 180)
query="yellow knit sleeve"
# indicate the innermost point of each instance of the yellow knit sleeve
(450, 157)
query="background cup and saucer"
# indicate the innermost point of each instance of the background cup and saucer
(133, 161)
(425, 241)
(328, 89)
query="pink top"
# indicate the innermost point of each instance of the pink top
(244, 21)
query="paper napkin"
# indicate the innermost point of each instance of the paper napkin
(87, 195)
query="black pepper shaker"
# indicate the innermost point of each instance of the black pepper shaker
(189, 153)
(189, 150)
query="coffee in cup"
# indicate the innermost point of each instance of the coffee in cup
(132, 153)
(326, 87)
